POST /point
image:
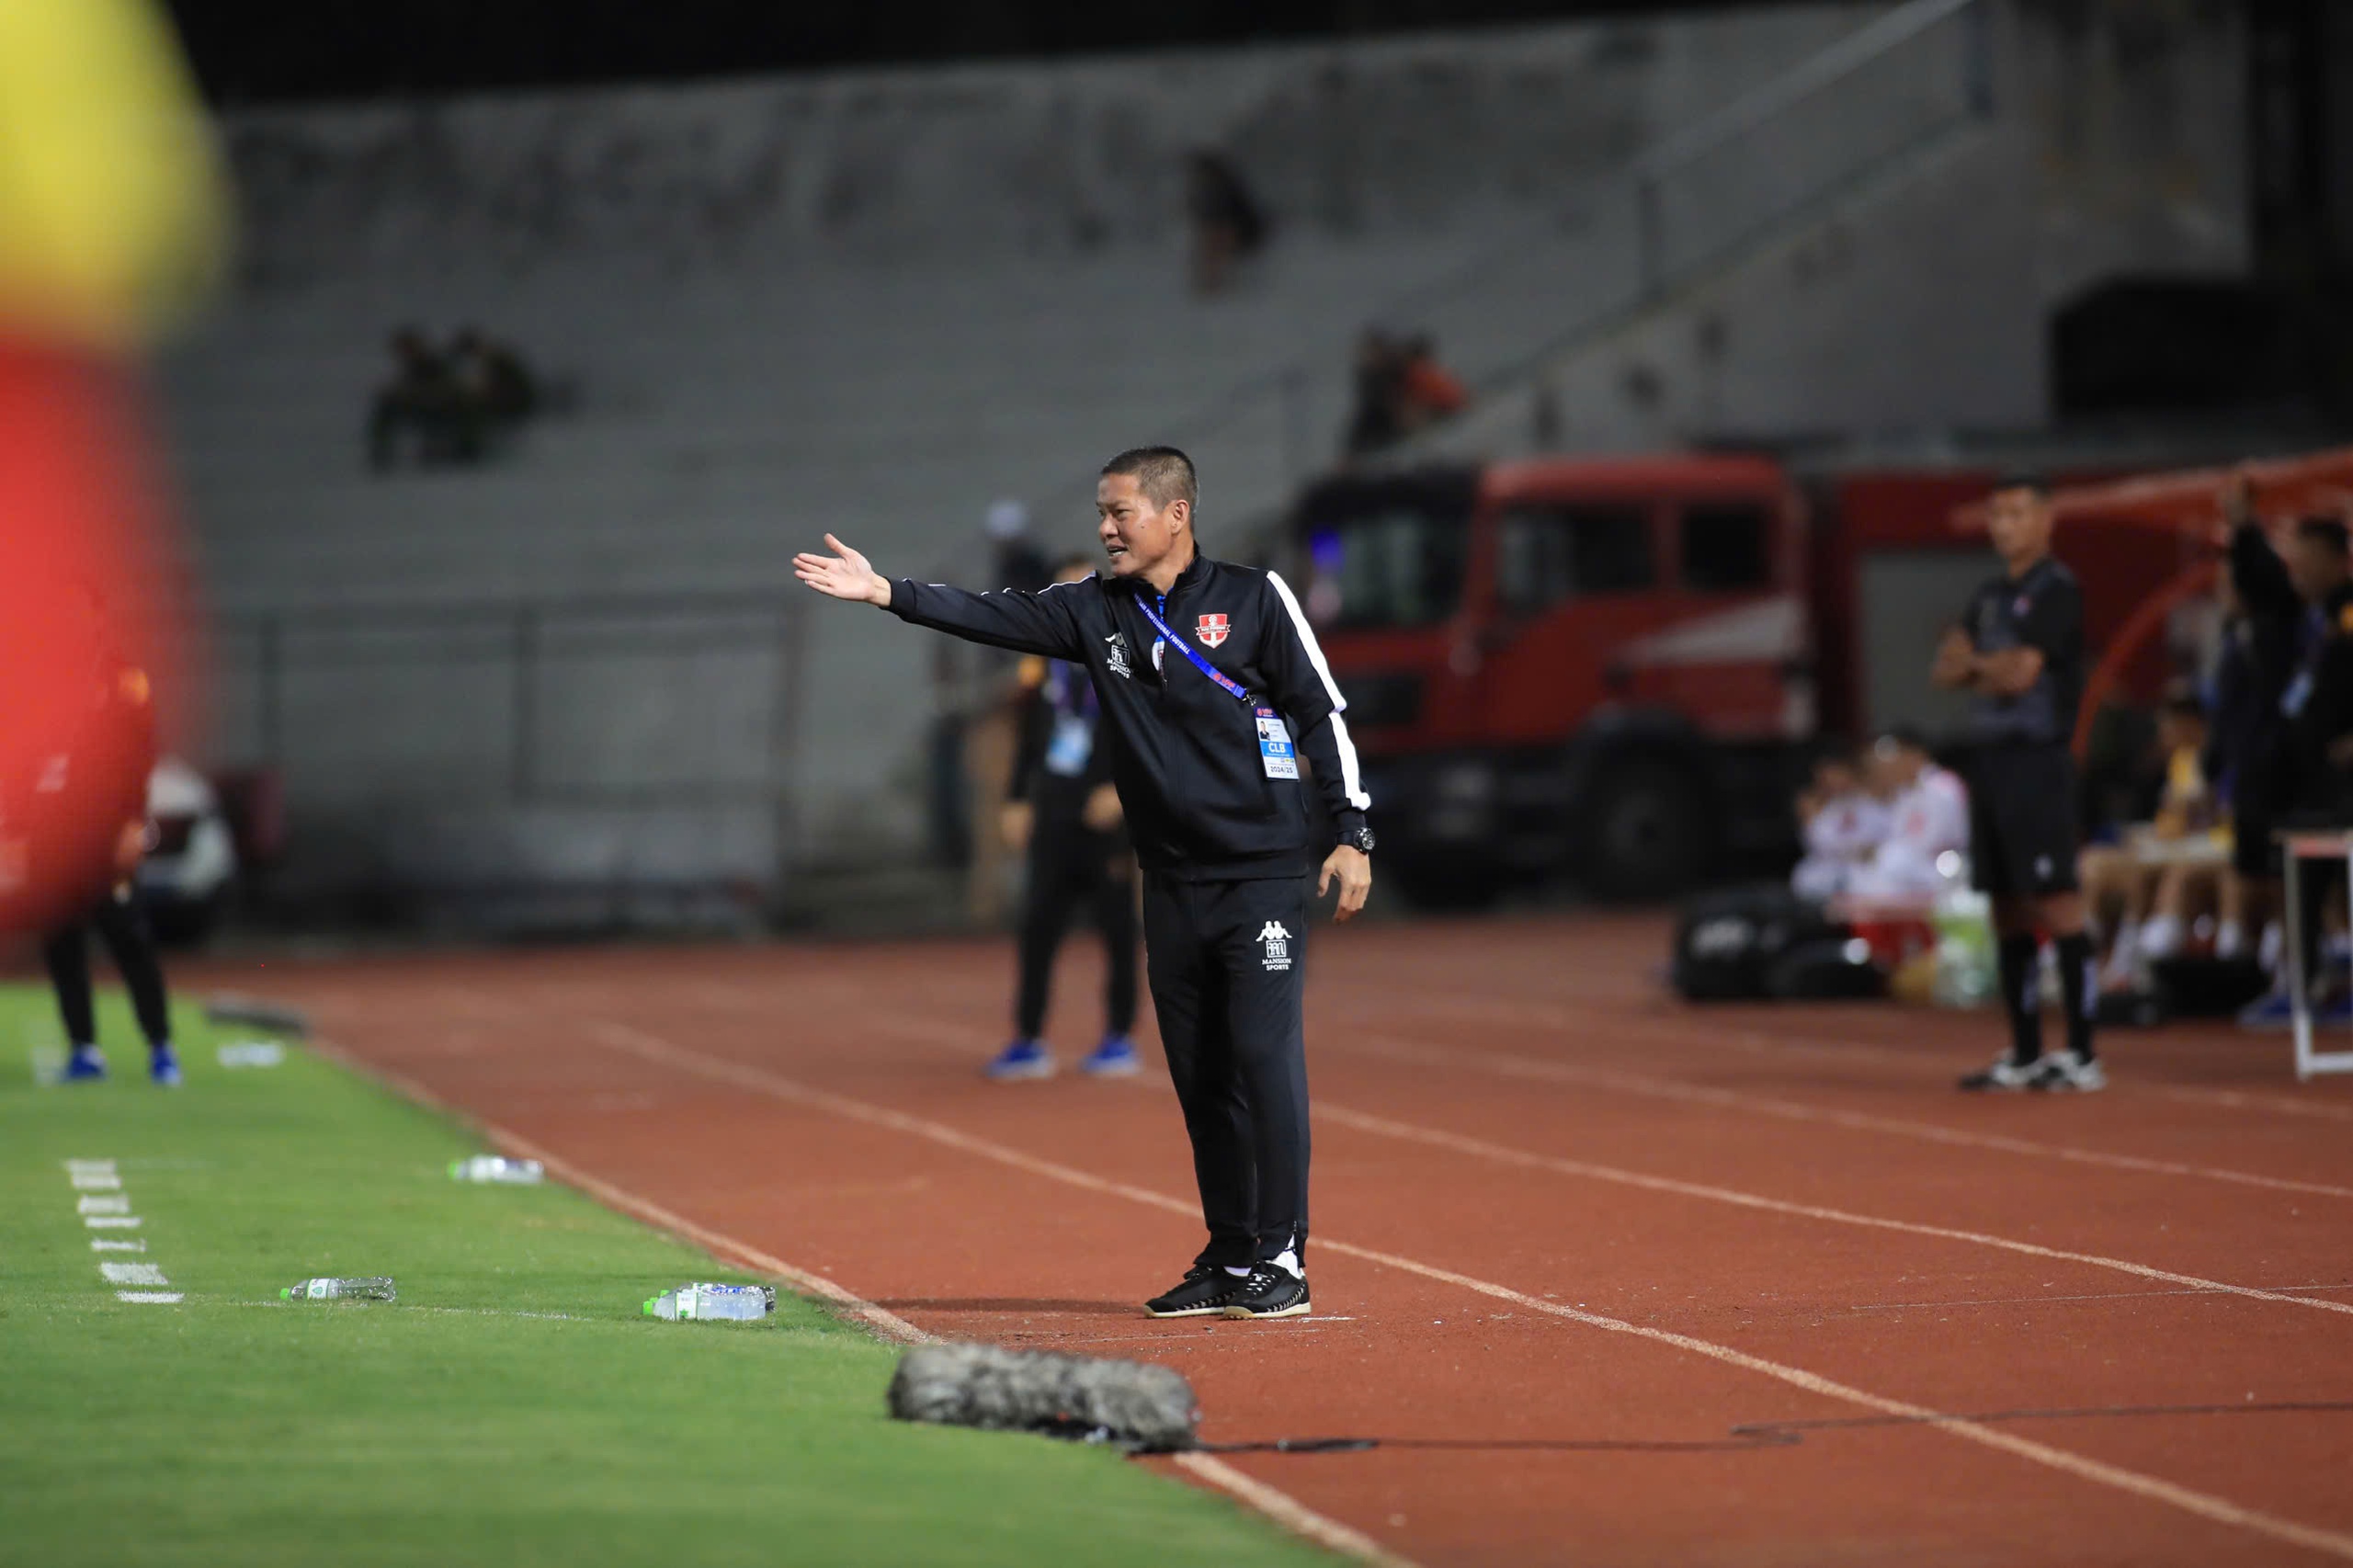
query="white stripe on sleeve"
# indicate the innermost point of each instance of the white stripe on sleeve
(1351, 779)
(1307, 637)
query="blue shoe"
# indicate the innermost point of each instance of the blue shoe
(163, 1068)
(1022, 1059)
(1115, 1058)
(86, 1065)
(2272, 1012)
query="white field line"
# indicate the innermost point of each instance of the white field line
(1280, 1507)
(719, 1245)
(113, 1211)
(1479, 1148)
(650, 1048)
(1511, 1065)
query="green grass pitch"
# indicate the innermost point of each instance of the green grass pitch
(512, 1408)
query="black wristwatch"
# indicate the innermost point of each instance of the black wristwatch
(1359, 838)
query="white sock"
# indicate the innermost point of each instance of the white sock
(1288, 1261)
(2230, 939)
(1237, 1273)
(85, 1049)
(2273, 944)
(2160, 937)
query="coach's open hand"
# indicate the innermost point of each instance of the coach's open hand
(1354, 868)
(843, 577)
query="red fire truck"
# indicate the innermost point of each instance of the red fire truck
(1616, 667)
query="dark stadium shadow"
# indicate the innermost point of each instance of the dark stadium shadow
(1010, 1305)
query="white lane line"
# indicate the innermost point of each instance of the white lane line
(1280, 1507)
(115, 1205)
(2045, 1300)
(151, 1298)
(101, 1243)
(111, 1221)
(1480, 1148)
(1511, 1065)
(1289, 1512)
(133, 1274)
(650, 1048)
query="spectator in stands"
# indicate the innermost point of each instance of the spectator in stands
(1928, 829)
(1426, 392)
(421, 401)
(1229, 226)
(1373, 421)
(2166, 865)
(493, 380)
(1843, 823)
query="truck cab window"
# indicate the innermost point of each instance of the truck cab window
(1724, 548)
(1398, 566)
(1549, 553)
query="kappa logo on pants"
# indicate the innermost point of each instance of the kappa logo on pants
(1276, 940)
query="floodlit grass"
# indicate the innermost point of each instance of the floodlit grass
(512, 1408)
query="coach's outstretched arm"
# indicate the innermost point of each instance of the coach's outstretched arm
(1029, 623)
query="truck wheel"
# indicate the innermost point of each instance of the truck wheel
(1647, 834)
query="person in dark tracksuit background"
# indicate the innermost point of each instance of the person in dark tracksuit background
(1212, 692)
(1061, 805)
(2019, 650)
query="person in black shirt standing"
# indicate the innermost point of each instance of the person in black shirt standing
(2019, 650)
(1062, 806)
(1213, 691)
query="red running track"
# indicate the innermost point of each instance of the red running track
(1568, 1234)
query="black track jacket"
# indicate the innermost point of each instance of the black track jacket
(1184, 750)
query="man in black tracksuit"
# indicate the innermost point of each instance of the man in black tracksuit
(1061, 806)
(2019, 650)
(1212, 690)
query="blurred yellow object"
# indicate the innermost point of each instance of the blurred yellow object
(1914, 980)
(113, 217)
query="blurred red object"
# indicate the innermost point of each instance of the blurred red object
(81, 628)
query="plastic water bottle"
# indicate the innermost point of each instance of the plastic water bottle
(1966, 970)
(252, 1054)
(742, 1303)
(375, 1288)
(491, 1167)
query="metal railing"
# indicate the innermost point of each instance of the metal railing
(630, 701)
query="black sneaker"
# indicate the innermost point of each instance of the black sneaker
(1205, 1289)
(1271, 1291)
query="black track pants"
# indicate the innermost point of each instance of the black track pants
(1225, 959)
(1070, 864)
(67, 953)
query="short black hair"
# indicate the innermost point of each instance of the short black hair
(1163, 473)
(2323, 529)
(2185, 704)
(2032, 480)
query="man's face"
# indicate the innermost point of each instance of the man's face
(2315, 566)
(2020, 520)
(1835, 777)
(1136, 534)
